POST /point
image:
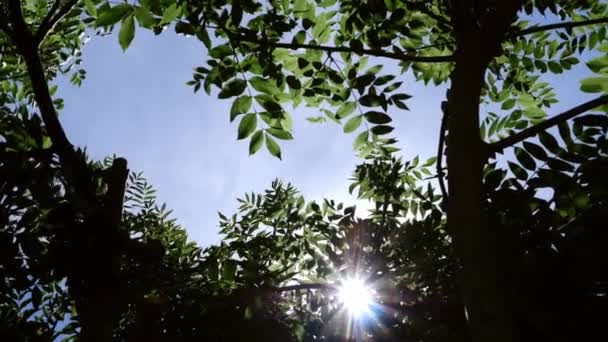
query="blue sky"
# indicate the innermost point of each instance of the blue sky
(136, 104)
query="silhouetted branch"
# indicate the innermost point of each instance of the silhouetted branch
(309, 286)
(116, 179)
(498, 146)
(13, 77)
(377, 53)
(421, 6)
(248, 292)
(439, 164)
(49, 16)
(52, 18)
(29, 51)
(555, 26)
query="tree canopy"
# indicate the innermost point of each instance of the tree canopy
(510, 249)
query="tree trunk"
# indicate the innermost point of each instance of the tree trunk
(479, 28)
(484, 285)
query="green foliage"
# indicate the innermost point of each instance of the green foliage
(247, 126)
(127, 32)
(547, 204)
(598, 84)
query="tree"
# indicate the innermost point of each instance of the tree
(267, 55)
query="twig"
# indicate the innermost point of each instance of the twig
(52, 19)
(565, 24)
(49, 16)
(421, 6)
(13, 77)
(36, 73)
(309, 286)
(377, 53)
(500, 145)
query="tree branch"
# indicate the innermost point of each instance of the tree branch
(309, 286)
(29, 51)
(248, 292)
(377, 53)
(421, 6)
(555, 26)
(440, 149)
(499, 146)
(52, 18)
(75, 169)
(116, 179)
(49, 16)
(13, 77)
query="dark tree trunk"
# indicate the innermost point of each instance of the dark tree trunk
(480, 27)
(483, 285)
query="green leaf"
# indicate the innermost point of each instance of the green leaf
(233, 88)
(559, 165)
(315, 119)
(595, 85)
(361, 139)
(555, 67)
(273, 147)
(46, 142)
(293, 82)
(526, 100)
(299, 38)
(286, 121)
(279, 133)
(247, 126)
(525, 159)
(302, 63)
(127, 32)
(382, 129)
(535, 150)
(268, 103)
(598, 64)
(171, 13)
(549, 142)
(384, 80)
(221, 51)
(371, 100)
(248, 313)
(508, 104)
(90, 7)
(111, 15)
(346, 109)
(377, 117)
(519, 172)
(229, 270)
(203, 36)
(144, 17)
(263, 85)
(352, 124)
(240, 106)
(534, 112)
(299, 6)
(494, 178)
(363, 81)
(430, 161)
(257, 140)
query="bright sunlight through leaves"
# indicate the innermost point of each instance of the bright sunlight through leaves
(356, 297)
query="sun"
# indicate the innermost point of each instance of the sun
(356, 297)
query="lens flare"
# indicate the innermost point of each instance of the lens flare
(356, 297)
